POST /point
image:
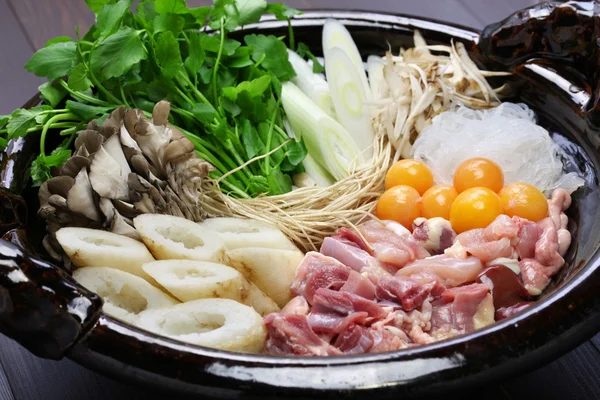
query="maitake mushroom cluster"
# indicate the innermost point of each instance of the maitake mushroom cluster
(127, 166)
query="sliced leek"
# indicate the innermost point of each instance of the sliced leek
(335, 35)
(350, 99)
(317, 172)
(313, 85)
(326, 140)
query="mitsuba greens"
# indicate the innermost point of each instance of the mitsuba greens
(224, 94)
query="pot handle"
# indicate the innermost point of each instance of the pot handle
(41, 306)
(564, 33)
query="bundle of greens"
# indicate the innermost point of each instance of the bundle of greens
(224, 94)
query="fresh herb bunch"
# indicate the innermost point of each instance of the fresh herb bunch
(224, 94)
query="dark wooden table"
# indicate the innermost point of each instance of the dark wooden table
(26, 25)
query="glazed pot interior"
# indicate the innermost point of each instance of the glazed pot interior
(556, 107)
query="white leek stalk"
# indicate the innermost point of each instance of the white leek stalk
(317, 173)
(350, 98)
(335, 35)
(313, 85)
(326, 140)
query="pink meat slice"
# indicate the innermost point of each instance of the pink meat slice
(356, 339)
(386, 341)
(449, 271)
(333, 312)
(328, 323)
(559, 201)
(546, 248)
(477, 243)
(529, 233)
(557, 205)
(404, 290)
(353, 237)
(502, 227)
(318, 271)
(390, 249)
(345, 303)
(351, 255)
(291, 335)
(535, 276)
(457, 307)
(359, 285)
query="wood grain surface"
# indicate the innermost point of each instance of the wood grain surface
(15, 49)
(26, 25)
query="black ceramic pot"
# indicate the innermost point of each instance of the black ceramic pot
(45, 311)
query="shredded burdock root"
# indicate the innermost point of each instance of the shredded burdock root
(418, 84)
(416, 87)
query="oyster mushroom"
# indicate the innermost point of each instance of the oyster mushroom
(127, 166)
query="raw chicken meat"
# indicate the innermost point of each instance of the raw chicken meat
(383, 288)
(390, 249)
(450, 271)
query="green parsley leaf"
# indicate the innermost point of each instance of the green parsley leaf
(96, 5)
(86, 112)
(110, 17)
(230, 93)
(282, 12)
(196, 54)
(226, 10)
(78, 80)
(90, 34)
(258, 185)
(279, 182)
(296, 152)
(143, 104)
(167, 54)
(21, 120)
(255, 87)
(304, 51)
(239, 59)
(60, 39)
(53, 61)
(227, 77)
(171, 7)
(52, 93)
(277, 86)
(41, 168)
(169, 23)
(275, 55)
(205, 74)
(250, 11)
(230, 106)
(117, 53)
(146, 11)
(41, 118)
(200, 13)
(252, 143)
(213, 44)
(205, 113)
(157, 90)
(4, 119)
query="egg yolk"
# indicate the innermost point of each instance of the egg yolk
(436, 202)
(478, 172)
(524, 200)
(411, 173)
(474, 208)
(400, 204)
